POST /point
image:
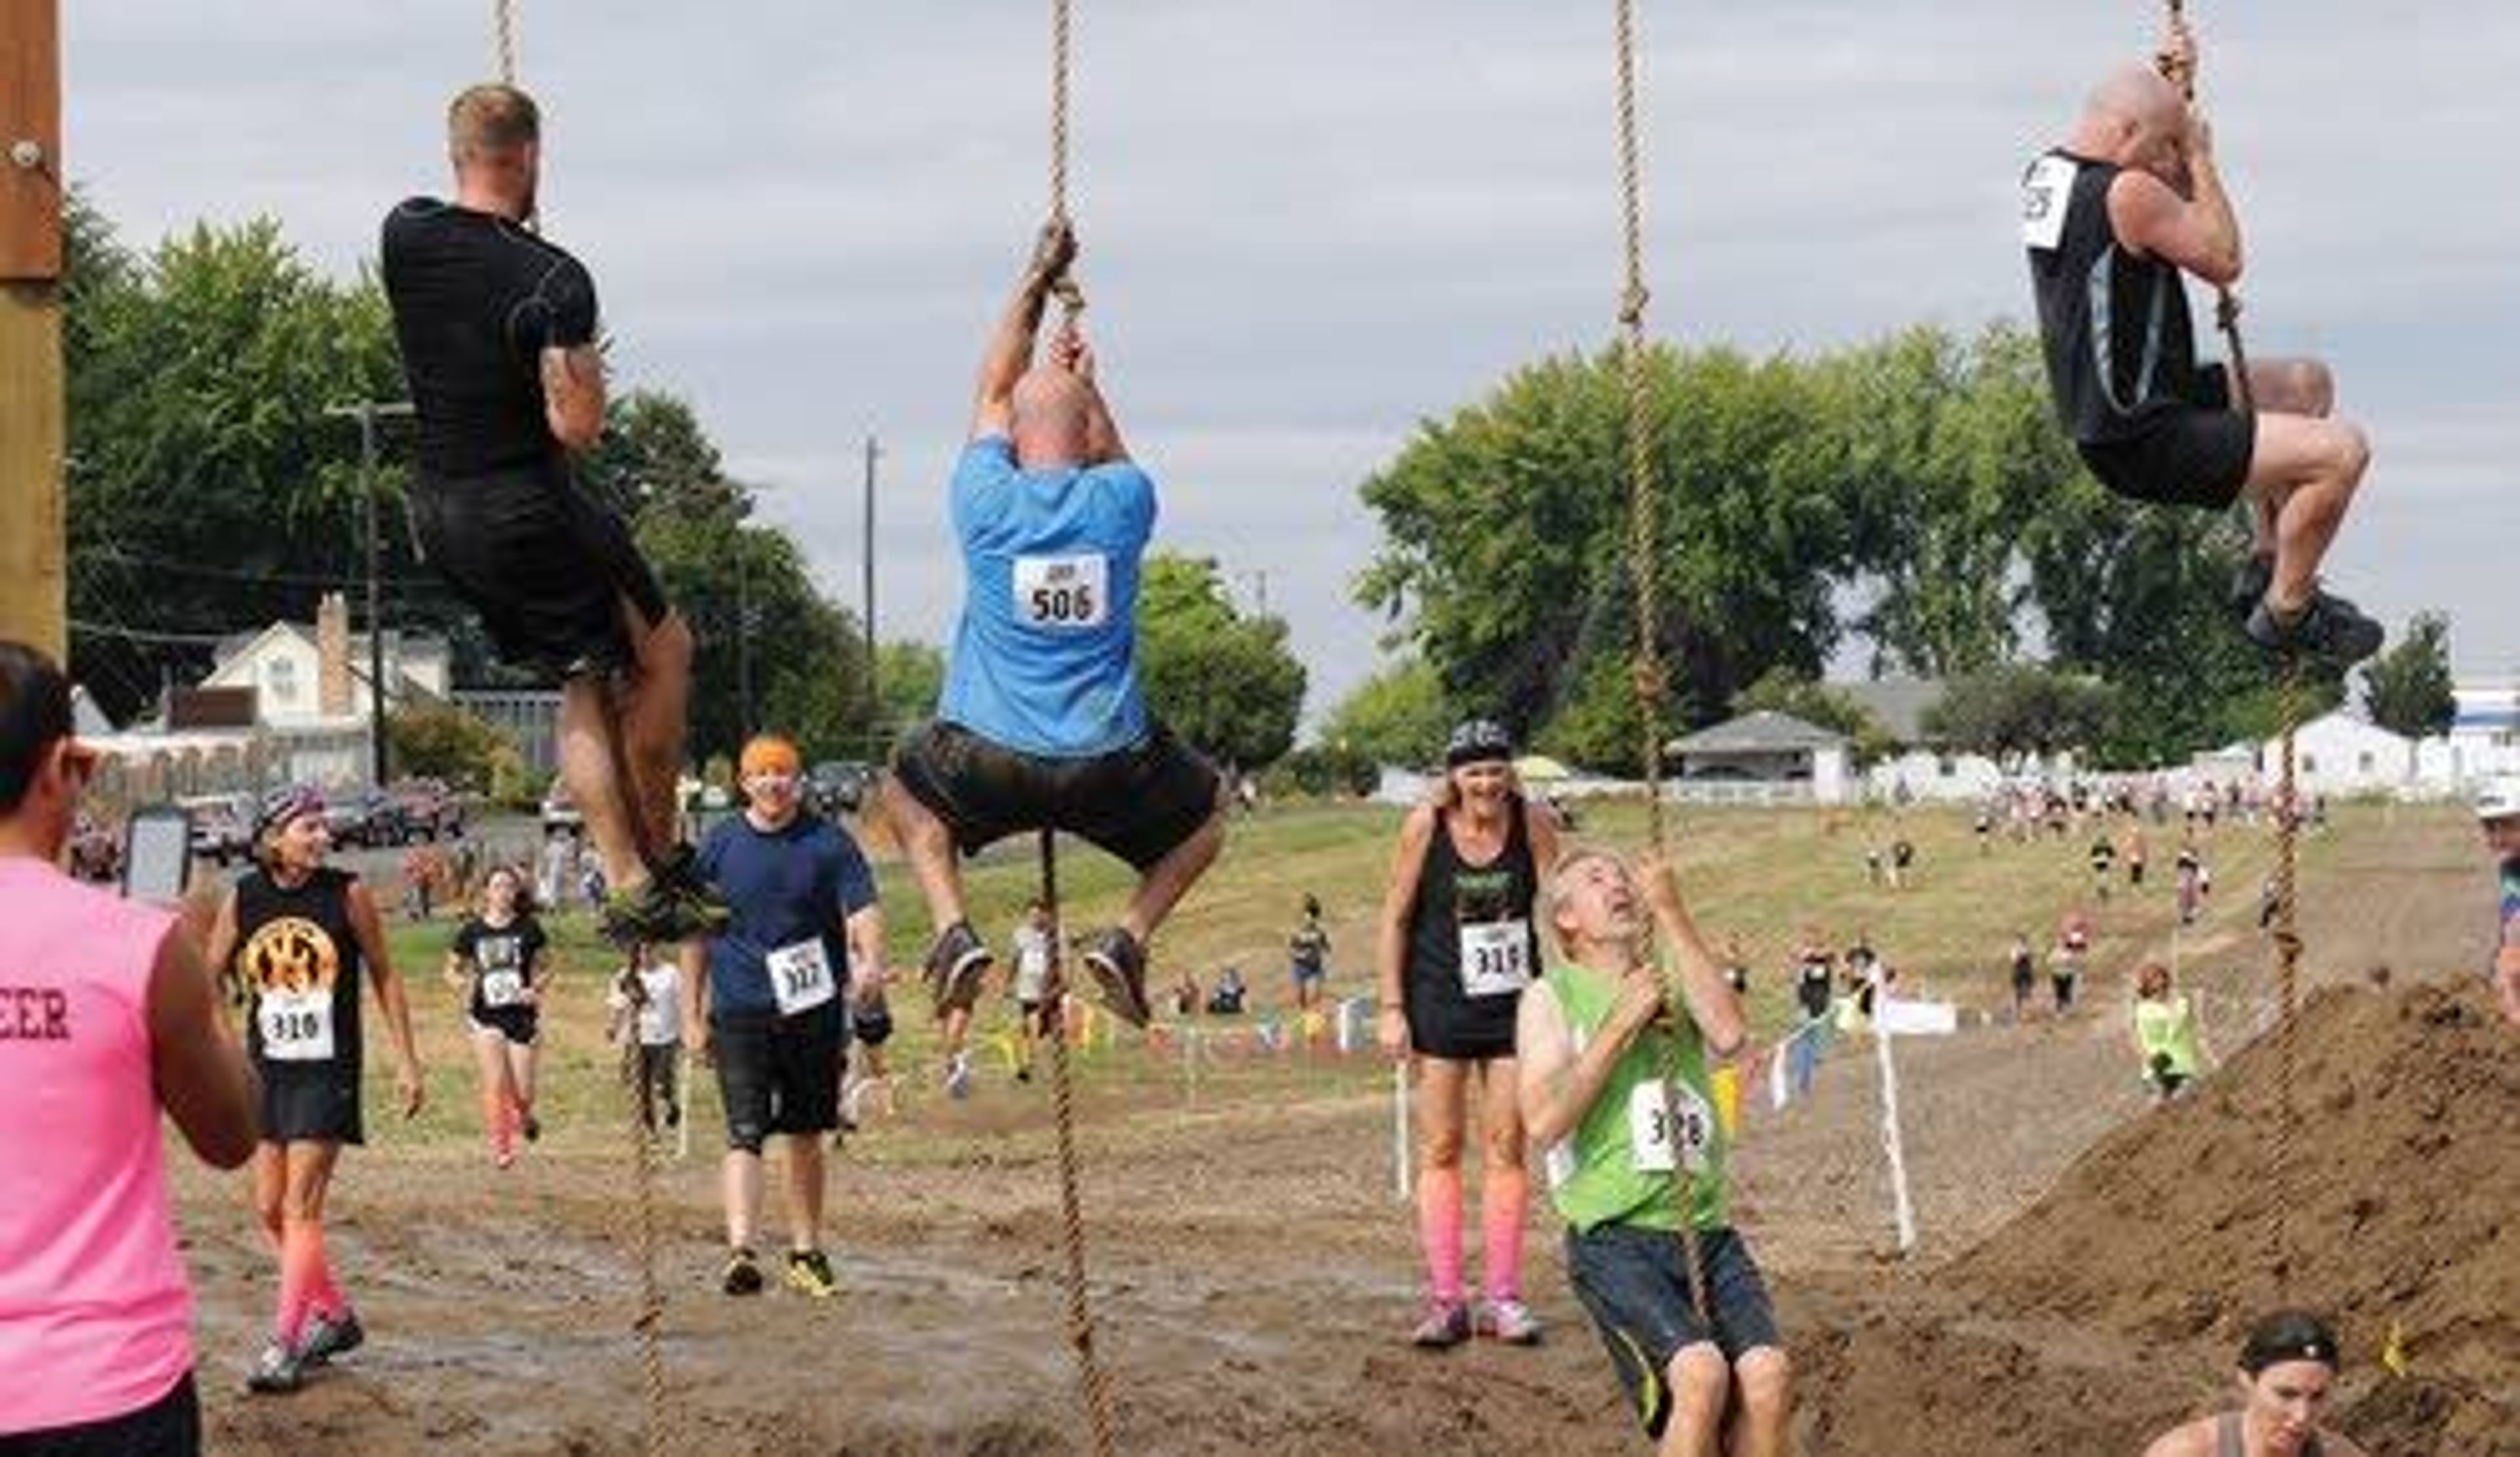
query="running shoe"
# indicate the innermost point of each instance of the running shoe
(2249, 582)
(1446, 1323)
(531, 1127)
(809, 1273)
(1509, 1320)
(956, 965)
(330, 1335)
(277, 1370)
(958, 1076)
(701, 903)
(2329, 628)
(743, 1274)
(641, 913)
(1119, 967)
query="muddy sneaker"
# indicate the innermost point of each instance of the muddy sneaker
(2329, 628)
(1508, 1320)
(277, 1370)
(743, 1274)
(956, 965)
(644, 912)
(1119, 967)
(958, 1076)
(1447, 1323)
(697, 903)
(809, 1273)
(330, 1335)
(531, 1127)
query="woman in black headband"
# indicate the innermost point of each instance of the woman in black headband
(2287, 1371)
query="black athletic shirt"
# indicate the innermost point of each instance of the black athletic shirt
(294, 941)
(476, 302)
(2121, 344)
(1453, 893)
(503, 951)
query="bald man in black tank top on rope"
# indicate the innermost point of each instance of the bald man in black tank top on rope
(498, 330)
(2113, 220)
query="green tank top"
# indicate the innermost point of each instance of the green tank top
(2168, 1027)
(1616, 1166)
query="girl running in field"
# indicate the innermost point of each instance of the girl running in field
(1456, 949)
(501, 960)
(2167, 1035)
(297, 937)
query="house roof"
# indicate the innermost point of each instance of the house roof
(1763, 731)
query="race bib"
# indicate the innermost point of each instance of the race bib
(1652, 1138)
(1496, 958)
(503, 987)
(2045, 194)
(296, 1026)
(800, 977)
(1062, 592)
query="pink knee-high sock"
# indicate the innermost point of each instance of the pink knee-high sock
(1439, 1230)
(1505, 1201)
(302, 1275)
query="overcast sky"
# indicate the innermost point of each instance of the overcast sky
(1310, 224)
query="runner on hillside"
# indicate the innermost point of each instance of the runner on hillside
(764, 997)
(2065, 962)
(1032, 989)
(2104, 859)
(297, 937)
(2287, 1373)
(112, 1017)
(1308, 957)
(500, 960)
(2498, 809)
(1815, 975)
(1615, 1086)
(2168, 1039)
(2025, 974)
(1456, 949)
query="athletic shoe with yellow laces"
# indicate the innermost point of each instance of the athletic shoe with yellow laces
(809, 1272)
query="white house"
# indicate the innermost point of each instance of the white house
(1762, 757)
(1923, 775)
(315, 677)
(2342, 755)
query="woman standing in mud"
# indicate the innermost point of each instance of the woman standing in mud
(1456, 949)
(298, 936)
(500, 962)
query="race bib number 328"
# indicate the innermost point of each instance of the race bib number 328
(1062, 592)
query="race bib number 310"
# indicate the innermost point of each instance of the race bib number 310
(296, 1026)
(1062, 592)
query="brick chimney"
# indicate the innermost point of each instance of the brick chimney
(333, 695)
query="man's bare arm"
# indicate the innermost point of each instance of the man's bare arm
(2199, 233)
(1712, 1002)
(1010, 343)
(202, 1077)
(1557, 1085)
(573, 394)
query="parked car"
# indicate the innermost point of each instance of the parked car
(222, 826)
(560, 813)
(426, 810)
(837, 787)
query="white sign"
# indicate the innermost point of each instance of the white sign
(1496, 958)
(1059, 593)
(1654, 1108)
(800, 977)
(296, 1026)
(2047, 193)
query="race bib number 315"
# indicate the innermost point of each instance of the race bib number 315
(1496, 958)
(2045, 194)
(1062, 592)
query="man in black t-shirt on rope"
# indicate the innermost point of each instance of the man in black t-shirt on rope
(499, 333)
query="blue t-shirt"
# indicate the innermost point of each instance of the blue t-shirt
(1046, 659)
(795, 885)
(2510, 932)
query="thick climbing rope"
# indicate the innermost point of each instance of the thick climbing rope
(503, 39)
(1091, 1380)
(1644, 553)
(1093, 1384)
(2227, 303)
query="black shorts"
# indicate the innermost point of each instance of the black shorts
(318, 1105)
(778, 1074)
(547, 568)
(1634, 1283)
(2194, 456)
(871, 1026)
(519, 1025)
(1445, 1023)
(1138, 803)
(168, 1427)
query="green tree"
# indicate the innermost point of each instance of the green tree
(2020, 709)
(761, 624)
(1225, 683)
(438, 741)
(654, 459)
(2408, 689)
(1785, 691)
(908, 678)
(1397, 716)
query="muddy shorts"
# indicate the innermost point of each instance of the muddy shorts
(1140, 803)
(778, 1074)
(519, 1025)
(2194, 456)
(319, 1106)
(1632, 1284)
(168, 1427)
(547, 568)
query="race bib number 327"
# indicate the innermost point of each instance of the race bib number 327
(1062, 592)
(800, 977)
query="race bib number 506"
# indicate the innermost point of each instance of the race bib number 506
(1062, 592)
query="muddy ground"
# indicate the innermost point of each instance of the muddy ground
(2083, 1259)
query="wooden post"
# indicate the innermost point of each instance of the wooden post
(35, 577)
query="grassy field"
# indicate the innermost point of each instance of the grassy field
(1761, 875)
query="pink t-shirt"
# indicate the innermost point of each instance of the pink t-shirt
(96, 1320)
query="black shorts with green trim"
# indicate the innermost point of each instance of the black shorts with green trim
(1633, 1283)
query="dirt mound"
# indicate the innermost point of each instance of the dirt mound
(2397, 1215)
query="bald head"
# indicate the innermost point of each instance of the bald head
(1052, 412)
(2138, 94)
(2134, 118)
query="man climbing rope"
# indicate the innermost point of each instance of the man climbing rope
(2112, 220)
(1041, 724)
(498, 333)
(1598, 1041)
(2287, 1371)
(2498, 809)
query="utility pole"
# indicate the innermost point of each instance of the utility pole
(874, 696)
(367, 412)
(34, 567)
(744, 638)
